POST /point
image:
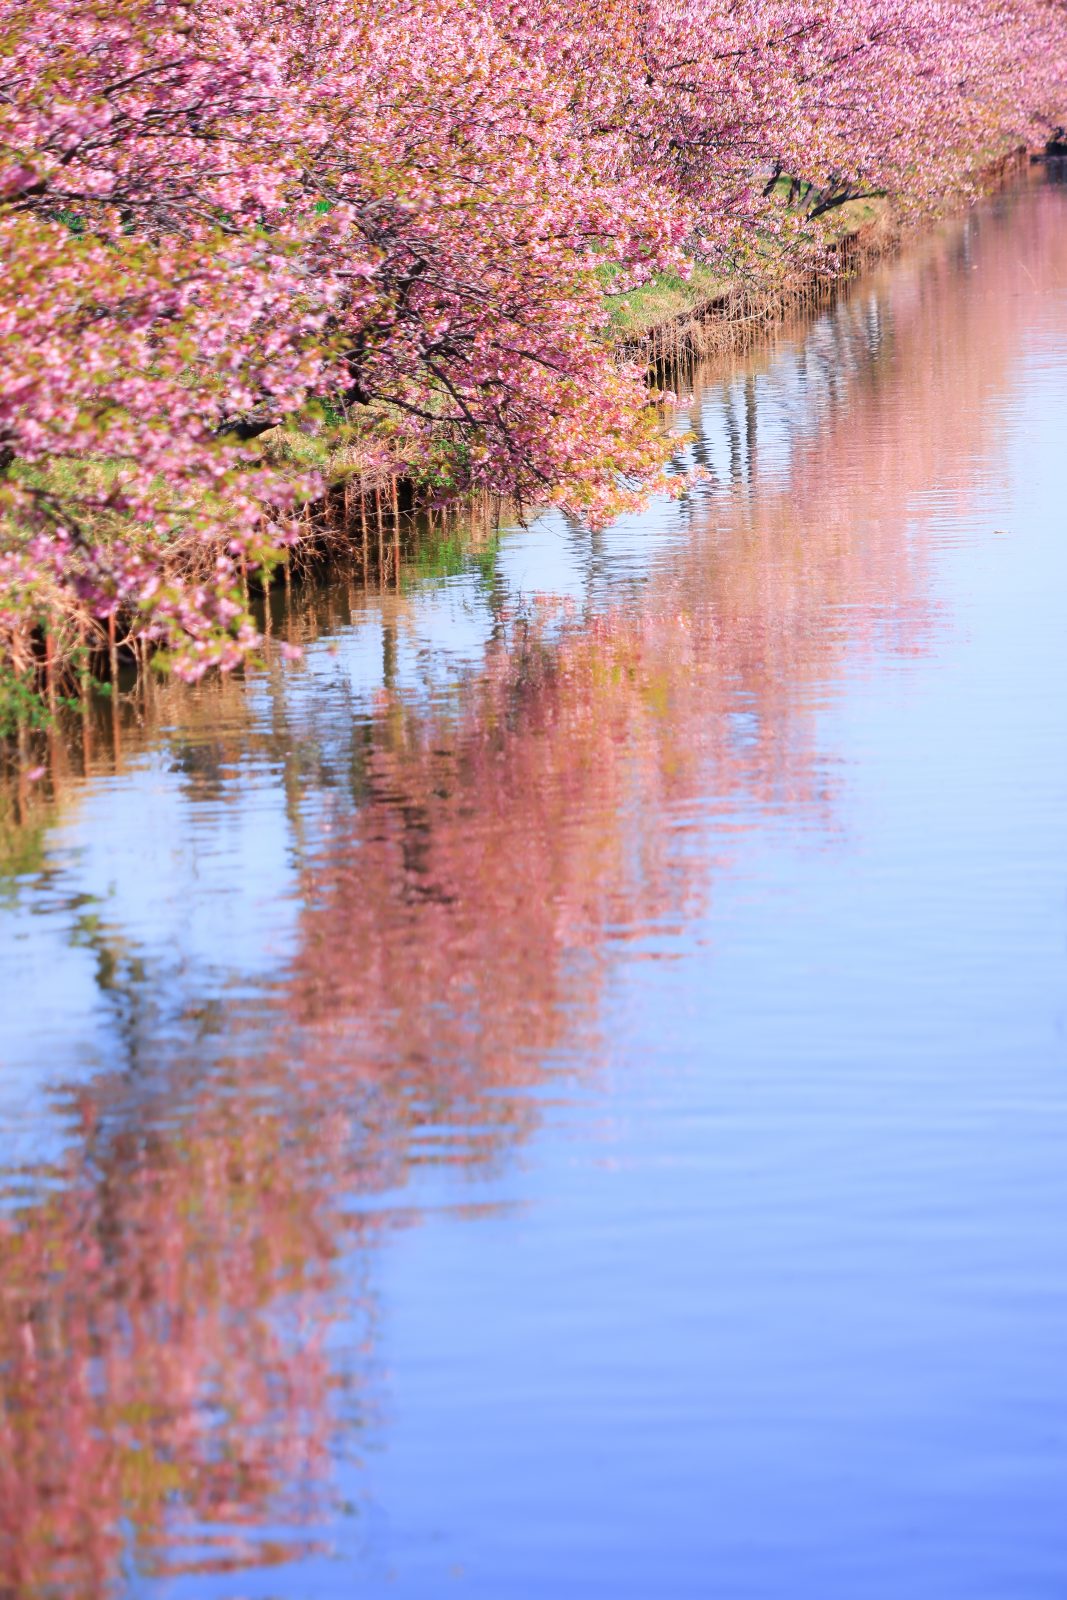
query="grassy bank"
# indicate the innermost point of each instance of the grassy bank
(671, 298)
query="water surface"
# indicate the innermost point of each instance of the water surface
(563, 1091)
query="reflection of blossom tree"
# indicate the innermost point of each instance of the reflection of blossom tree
(467, 907)
(471, 870)
(161, 1340)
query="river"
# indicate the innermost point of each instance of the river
(562, 1090)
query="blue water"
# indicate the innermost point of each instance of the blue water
(613, 999)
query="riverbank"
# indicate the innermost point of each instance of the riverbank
(368, 506)
(432, 270)
(675, 320)
(665, 325)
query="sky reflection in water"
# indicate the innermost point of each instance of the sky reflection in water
(563, 1092)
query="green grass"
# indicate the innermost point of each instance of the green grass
(669, 297)
(854, 215)
(665, 298)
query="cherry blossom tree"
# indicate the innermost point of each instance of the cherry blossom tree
(403, 214)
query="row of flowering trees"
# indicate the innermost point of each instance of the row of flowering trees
(402, 214)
